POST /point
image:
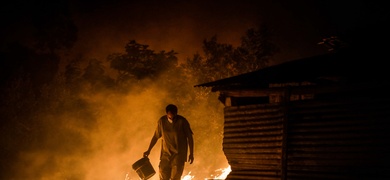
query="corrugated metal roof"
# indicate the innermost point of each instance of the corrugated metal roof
(313, 69)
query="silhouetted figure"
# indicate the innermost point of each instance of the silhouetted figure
(176, 135)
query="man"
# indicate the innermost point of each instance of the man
(176, 135)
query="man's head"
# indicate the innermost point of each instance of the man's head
(171, 111)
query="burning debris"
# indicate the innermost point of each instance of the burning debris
(222, 174)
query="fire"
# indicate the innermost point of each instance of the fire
(224, 173)
(188, 176)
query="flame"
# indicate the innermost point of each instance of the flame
(188, 176)
(224, 173)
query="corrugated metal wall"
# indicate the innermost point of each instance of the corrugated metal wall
(252, 141)
(340, 136)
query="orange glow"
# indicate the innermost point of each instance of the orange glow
(117, 136)
(224, 173)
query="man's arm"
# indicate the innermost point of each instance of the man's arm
(153, 141)
(191, 146)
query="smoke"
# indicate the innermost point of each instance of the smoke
(99, 134)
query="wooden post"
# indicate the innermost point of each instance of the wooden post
(228, 102)
(285, 106)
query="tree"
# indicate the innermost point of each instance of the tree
(53, 27)
(139, 62)
(223, 60)
(94, 74)
(72, 72)
(219, 59)
(256, 49)
(34, 35)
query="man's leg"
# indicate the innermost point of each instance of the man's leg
(164, 170)
(177, 171)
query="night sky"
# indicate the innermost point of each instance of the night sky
(105, 26)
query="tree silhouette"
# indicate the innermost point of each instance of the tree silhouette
(139, 62)
(223, 60)
(94, 74)
(256, 49)
(53, 26)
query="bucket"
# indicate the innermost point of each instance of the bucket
(144, 168)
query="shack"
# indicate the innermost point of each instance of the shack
(323, 117)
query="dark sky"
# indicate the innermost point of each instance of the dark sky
(106, 26)
(182, 25)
